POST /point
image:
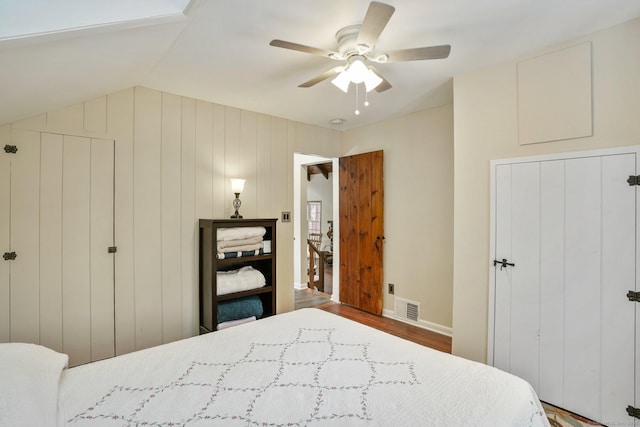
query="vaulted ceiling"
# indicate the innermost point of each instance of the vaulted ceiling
(219, 50)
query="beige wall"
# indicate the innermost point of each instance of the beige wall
(485, 111)
(174, 157)
(418, 207)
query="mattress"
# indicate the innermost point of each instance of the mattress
(303, 368)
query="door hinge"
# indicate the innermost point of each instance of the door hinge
(633, 412)
(634, 180)
(633, 296)
(112, 249)
(10, 149)
(9, 256)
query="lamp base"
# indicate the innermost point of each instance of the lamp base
(236, 216)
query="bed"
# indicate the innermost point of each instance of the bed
(306, 367)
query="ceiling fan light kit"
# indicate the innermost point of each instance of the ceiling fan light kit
(356, 46)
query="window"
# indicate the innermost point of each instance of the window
(314, 217)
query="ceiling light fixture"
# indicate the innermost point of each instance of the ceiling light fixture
(357, 72)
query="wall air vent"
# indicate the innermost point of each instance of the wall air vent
(406, 309)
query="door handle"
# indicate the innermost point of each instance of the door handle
(503, 263)
(376, 242)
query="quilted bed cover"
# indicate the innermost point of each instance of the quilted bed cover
(303, 368)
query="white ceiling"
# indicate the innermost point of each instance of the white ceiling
(219, 50)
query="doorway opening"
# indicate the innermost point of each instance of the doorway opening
(315, 219)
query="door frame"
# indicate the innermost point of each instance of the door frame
(632, 149)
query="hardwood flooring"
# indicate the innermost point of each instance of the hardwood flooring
(308, 298)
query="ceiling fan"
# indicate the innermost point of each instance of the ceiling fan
(356, 47)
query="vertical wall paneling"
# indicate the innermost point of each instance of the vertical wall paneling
(204, 159)
(171, 214)
(583, 274)
(51, 241)
(147, 157)
(219, 177)
(5, 243)
(95, 115)
(25, 237)
(502, 320)
(102, 280)
(76, 254)
(154, 174)
(525, 294)
(263, 167)
(68, 120)
(120, 115)
(247, 162)
(189, 243)
(231, 155)
(618, 267)
(552, 292)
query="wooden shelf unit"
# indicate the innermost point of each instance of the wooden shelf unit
(209, 264)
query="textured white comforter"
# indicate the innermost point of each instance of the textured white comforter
(306, 367)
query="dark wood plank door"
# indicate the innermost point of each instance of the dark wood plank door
(361, 231)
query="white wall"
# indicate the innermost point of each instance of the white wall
(321, 189)
(418, 207)
(174, 157)
(486, 117)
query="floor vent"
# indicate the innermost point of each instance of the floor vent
(406, 309)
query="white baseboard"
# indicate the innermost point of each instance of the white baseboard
(300, 286)
(433, 327)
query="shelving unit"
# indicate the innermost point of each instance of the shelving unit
(210, 264)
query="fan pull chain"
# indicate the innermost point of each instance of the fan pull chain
(366, 98)
(357, 111)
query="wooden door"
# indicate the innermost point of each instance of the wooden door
(562, 320)
(361, 201)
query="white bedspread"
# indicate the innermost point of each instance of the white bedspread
(306, 367)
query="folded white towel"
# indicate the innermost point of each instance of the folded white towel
(230, 323)
(241, 242)
(243, 279)
(238, 233)
(242, 248)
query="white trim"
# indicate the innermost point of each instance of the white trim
(433, 327)
(300, 286)
(629, 149)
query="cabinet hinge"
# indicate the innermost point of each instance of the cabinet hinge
(633, 296)
(112, 249)
(10, 149)
(634, 180)
(633, 412)
(9, 256)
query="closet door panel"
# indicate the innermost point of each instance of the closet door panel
(76, 249)
(101, 233)
(582, 274)
(552, 296)
(25, 237)
(502, 319)
(525, 286)
(5, 246)
(618, 266)
(51, 242)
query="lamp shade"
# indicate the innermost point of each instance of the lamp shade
(357, 71)
(237, 185)
(371, 81)
(342, 81)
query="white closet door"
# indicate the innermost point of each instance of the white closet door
(25, 237)
(5, 246)
(562, 319)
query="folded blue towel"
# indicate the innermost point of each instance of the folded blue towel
(240, 308)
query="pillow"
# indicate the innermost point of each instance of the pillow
(29, 377)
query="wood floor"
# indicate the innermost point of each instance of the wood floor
(390, 326)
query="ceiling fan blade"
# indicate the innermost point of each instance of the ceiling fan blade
(324, 76)
(382, 86)
(306, 49)
(419, 53)
(374, 22)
